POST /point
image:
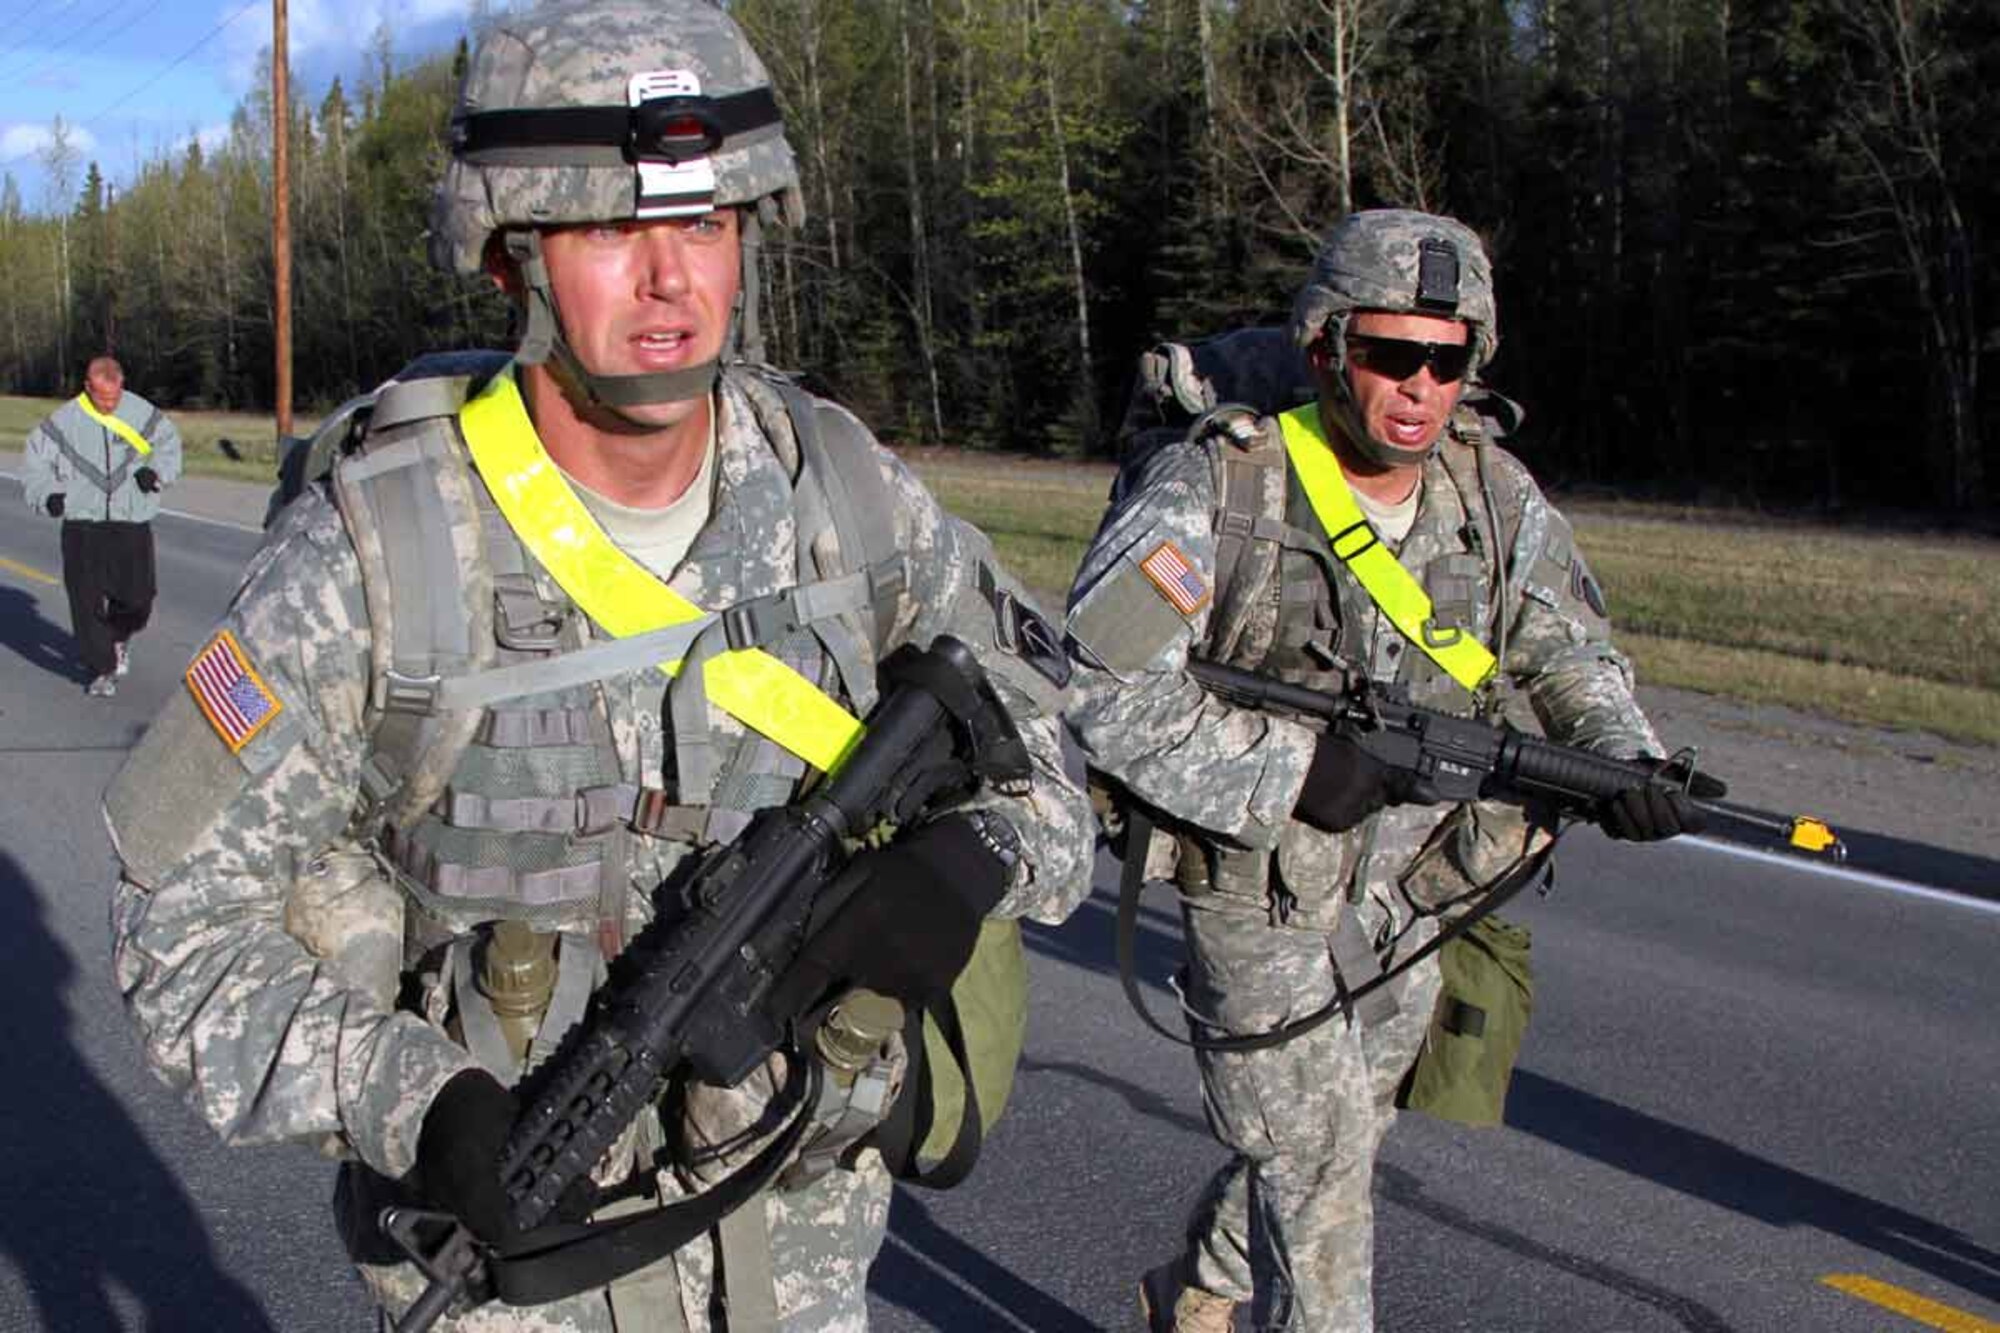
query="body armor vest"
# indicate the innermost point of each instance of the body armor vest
(521, 810)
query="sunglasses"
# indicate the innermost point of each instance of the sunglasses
(1400, 359)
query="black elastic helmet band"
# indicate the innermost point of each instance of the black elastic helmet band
(661, 129)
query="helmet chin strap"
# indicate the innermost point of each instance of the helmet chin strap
(542, 341)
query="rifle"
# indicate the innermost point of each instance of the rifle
(1446, 759)
(1442, 759)
(709, 989)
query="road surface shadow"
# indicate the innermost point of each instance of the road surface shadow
(39, 642)
(1089, 939)
(1397, 1186)
(1144, 1103)
(929, 1271)
(1707, 1168)
(85, 1205)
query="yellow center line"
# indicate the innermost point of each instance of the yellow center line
(1908, 1304)
(28, 571)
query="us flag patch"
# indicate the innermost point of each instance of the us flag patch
(230, 693)
(1176, 579)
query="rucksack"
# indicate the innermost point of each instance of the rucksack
(963, 1052)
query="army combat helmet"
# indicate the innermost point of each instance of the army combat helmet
(605, 111)
(1402, 262)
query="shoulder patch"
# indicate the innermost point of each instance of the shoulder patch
(230, 692)
(1176, 578)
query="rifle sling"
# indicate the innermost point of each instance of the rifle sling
(590, 1256)
(1132, 885)
(908, 1124)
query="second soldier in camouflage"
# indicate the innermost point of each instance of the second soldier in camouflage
(1300, 875)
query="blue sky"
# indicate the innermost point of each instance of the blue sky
(109, 68)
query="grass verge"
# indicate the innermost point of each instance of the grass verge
(251, 455)
(1885, 630)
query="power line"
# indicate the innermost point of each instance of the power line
(167, 69)
(84, 33)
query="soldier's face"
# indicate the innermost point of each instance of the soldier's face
(639, 298)
(1405, 412)
(104, 389)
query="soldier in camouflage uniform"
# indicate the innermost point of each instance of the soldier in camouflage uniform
(306, 926)
(1301, 875)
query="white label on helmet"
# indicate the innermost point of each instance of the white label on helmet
(671, 190)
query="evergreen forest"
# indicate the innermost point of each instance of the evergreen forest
(1745, 247)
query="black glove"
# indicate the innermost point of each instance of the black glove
(909, 930)
(458, 1158)
(54, 504)
(1660, 809)
(148, 480)
(1345, 785)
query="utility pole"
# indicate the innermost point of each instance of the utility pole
(281, 214)
(111, 287)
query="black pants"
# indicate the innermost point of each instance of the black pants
(108, 570)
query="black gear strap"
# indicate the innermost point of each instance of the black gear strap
(1132, 884)
(666, 129)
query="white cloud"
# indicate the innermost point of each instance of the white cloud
(20, 141)
(333, 34)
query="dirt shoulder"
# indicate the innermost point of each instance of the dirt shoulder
(1906, 784)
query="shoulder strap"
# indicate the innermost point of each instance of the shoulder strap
(836, 456)
(410, 503)
(1250, 529)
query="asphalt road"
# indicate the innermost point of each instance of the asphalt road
(1744, 1076)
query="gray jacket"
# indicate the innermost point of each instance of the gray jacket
(92, 466)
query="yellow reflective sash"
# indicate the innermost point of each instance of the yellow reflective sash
(624, 596)
(121, 428)
(1392, 587)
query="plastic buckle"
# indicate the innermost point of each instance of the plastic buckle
(739, 627)
(402, 693)
(754, 623)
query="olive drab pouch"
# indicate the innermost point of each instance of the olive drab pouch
(962, 1059)
(1476, 1030)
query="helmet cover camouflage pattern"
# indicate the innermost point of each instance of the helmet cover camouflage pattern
(583, 55)
(1402, 262)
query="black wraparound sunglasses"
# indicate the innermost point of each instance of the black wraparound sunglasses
(1400, 358)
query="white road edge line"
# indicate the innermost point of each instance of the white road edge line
(1863, 877)
(175, 513)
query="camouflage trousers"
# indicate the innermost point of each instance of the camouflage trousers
(823, 1239)
(1287, 1225)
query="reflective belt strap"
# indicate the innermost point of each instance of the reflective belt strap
(623, 596)
(122, 429)
(1392, 587)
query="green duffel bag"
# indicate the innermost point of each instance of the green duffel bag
(1476, 1030)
